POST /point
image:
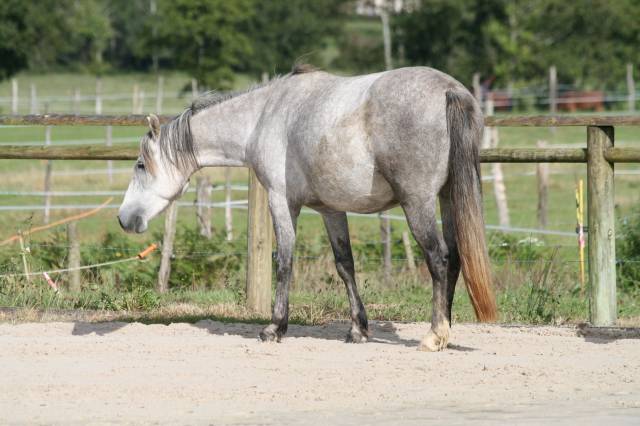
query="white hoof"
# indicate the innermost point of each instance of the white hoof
(433, 343)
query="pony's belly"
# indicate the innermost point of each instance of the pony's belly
(354, 192)
(341, 168)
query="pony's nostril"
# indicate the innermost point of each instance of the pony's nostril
(120, 222)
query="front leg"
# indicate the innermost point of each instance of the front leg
(284, 223)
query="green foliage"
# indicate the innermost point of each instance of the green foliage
(451, 35)
(506, 247)
(212, 40)
(589, 41)
(52, 33)
(13, 50)
(283, 31)
(138, 299)
(542, 300)
(360, 47)
(628, 251)
(207, 38)
(201, 263)
(134, 42)
(128, 275)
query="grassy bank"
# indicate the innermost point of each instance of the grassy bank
(535, 282)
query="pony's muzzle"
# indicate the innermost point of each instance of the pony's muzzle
(133, 223)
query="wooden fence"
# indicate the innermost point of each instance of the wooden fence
(600, 155)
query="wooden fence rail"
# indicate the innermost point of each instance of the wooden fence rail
(487, 155)
(493, 121)
(599, 154)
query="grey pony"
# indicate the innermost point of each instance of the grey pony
(340, 144)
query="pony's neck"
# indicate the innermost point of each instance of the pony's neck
(222, 131)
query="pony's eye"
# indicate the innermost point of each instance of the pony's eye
(140, 165)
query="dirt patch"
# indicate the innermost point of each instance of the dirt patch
(216, 373)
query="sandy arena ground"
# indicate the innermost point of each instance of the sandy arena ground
(215, 373)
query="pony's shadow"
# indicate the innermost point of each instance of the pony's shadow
(99, 328)
(383, 332)
(604, 335)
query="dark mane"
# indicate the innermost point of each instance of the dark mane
(176, 141)
(176, 145)
(302, 68)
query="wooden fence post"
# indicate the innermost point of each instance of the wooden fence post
(109, 142)
(140, 101)
(203, 211)
(385, 239)
(33, 108)
(170, 218)
(159, 95)
(486, 136)
(98, 96)
(73, 256)
(76, 101)
(385, 223)
(259, 244)
(386, 37)
(47, 177)
(601, 222)
(553, 90)
(499, 187)
(194, 88)
(228, 215)
(408, 251)
(134, 99)
(631, 88)
(477, 89)
(542, 175)
(14, 96)
(491, 140)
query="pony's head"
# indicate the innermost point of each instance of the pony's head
(161, 174)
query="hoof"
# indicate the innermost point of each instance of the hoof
(433, 343)
(271, 334)
(357, 336)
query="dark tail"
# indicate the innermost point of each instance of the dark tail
(465, 126)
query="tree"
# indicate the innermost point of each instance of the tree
(206, 38)
(589, 41)
(134, 43)
(13, 50)
(283, 31)
(90, 33)
(451, 35)
(51, 33)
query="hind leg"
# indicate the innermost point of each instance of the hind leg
(453, 264)
(338, 231)
(421, 217)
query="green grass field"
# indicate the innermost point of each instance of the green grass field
(526, 292)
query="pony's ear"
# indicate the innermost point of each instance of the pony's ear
(154, 125)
